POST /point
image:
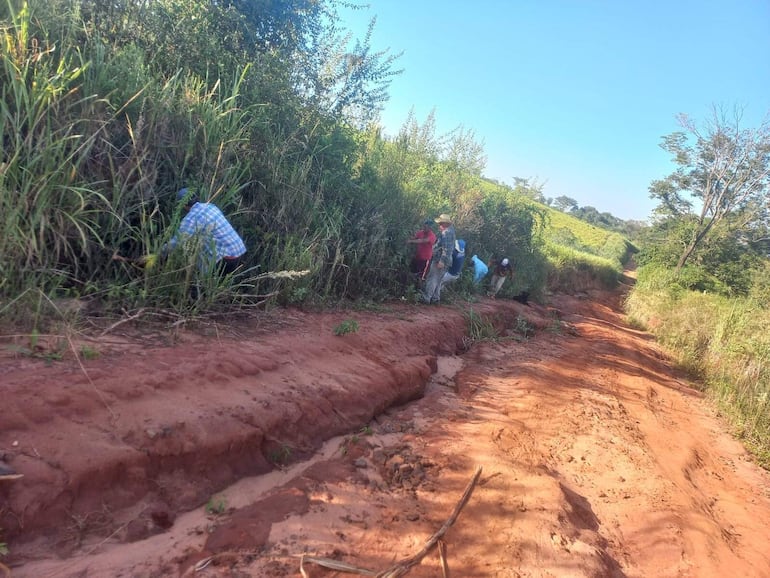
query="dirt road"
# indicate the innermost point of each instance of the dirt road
(234, 454)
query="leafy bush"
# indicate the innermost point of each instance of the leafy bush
(759, 290)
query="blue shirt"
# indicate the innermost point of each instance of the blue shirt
(206, 221)
(479, 269)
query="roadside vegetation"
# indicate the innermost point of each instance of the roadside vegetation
(582, 255)
(722, 341)
(107, 110)
(703, 284)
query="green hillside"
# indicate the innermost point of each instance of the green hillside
(567, 231)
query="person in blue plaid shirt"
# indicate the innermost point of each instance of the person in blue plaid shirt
(205, 223)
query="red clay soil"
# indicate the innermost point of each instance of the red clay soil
(238, 452)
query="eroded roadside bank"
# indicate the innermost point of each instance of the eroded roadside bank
(597, 460)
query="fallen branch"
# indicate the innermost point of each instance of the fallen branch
(98, 391)
(442, 558)
(120, 322)
(333, 565)
(402, 567)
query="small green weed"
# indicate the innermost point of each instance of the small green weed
(38, 349)
(479, 329)
(348, 442)
(522, 327)
(298, 294)
(88, 353)
(347, 326)
(280, 455)
(216, 506)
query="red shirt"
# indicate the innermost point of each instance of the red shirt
(424, 250)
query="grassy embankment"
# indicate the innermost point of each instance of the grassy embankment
(722, 341)
(581, 255)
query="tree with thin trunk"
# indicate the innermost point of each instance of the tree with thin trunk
(723, 170)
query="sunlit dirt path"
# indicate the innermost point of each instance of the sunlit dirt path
(597, 460)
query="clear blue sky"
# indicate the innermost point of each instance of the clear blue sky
(573, 94)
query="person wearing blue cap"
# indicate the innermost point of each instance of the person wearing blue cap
(220, 244)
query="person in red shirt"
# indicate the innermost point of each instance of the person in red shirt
(424, 239)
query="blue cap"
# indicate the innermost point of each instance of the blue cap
(181, 194)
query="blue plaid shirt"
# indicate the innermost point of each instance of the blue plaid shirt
(206, 222)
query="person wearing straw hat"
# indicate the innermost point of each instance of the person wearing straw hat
(441, 261)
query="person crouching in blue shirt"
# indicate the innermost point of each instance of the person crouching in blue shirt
(480, 269)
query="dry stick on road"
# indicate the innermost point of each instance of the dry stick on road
(83, 369)
(442, 557)
(402, 567)
(98, 391)
(120, 322)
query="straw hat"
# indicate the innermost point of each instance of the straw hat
(444, 218)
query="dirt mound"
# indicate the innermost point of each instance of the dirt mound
(234, 456)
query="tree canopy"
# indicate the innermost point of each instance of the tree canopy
(723, 174)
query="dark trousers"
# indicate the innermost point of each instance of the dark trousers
(227, 266)
(224, 267)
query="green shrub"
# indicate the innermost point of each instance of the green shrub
(345, 327)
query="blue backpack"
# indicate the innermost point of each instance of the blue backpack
(458, 258)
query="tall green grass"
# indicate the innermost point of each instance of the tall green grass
(723, 341)
(49, 215)
(571, 270)
(98, 136)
